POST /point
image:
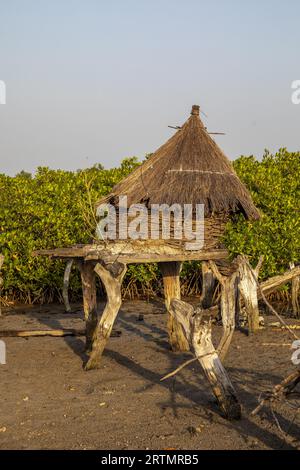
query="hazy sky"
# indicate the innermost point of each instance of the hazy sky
(96, 81)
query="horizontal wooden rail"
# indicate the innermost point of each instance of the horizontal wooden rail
(90, 253)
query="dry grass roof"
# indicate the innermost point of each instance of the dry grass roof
(189, 168)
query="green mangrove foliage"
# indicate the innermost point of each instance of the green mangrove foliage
(54, 208)
(274, 184)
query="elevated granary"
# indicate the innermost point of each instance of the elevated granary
(189, 169)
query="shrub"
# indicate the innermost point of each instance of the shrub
(52, 209)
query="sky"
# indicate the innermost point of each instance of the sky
(96, 81)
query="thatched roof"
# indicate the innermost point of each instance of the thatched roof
(188, 169)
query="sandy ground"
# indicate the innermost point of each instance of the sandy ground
(49, 402)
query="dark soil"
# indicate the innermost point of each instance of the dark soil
(49, 402)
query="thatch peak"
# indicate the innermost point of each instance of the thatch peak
(195, 110)
(189, 168)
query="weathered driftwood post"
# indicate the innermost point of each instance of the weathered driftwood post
(208, 285)
(88, 280)
(295, 292)
(248, 283)
(197, 327)
(170, 272)
(228, 307)
(111, 275)
(66, 282)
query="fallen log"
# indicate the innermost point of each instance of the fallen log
(32, 333)
(288, 327)
(273, 283)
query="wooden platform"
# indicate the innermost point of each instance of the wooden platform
(137, 254)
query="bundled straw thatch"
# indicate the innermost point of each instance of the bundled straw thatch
(188, 169)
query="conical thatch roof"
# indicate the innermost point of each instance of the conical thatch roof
(188, 169)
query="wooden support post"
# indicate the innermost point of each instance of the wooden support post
(197, 327)
(88, 279)
(248, 289)
(65, 291)
(111, 275)
(238, 306)
(170, 272)
(228, 312)
(295, 292)
(228, 308)
(208, 286)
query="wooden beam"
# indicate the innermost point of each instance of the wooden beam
(90, 253)
(273, 283)
(75, 251)
(137, 258)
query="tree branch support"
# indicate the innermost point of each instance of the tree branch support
(197, 327)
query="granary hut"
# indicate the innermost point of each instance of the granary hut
(188, 170)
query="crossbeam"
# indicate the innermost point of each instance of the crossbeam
(90, 253)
